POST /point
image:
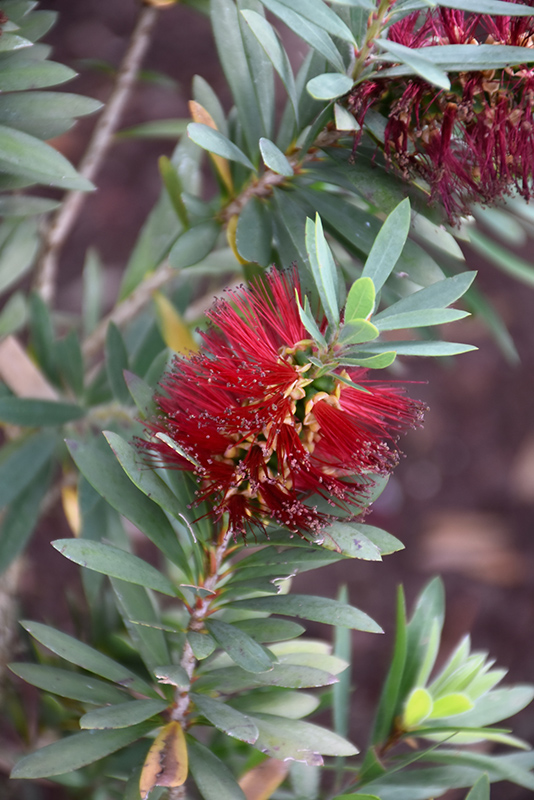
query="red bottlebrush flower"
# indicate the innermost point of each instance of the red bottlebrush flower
(262, 432)
(474, 142)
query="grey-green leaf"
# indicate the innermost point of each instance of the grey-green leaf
(318, 609)
(269, 40)
(388, 245)
(418, 63)
(37, 413)
(226, 718)
(245, 651)
(68, 684)
(87, 657)
(215, 142)
(115, 563)
(274, 158)
(22, 154)
(123, 715)
(194, 244)
(213, 778)
(76, 751)
(254, 232)
(329, 86)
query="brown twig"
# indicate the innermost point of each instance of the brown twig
(64, 219)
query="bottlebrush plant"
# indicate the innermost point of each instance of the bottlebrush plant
(248, 443)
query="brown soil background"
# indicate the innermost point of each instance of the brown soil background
(463, 498)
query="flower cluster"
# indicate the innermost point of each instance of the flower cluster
(474, 142)
(264, 428)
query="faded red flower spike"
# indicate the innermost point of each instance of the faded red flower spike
(474, 142)
(262, 432)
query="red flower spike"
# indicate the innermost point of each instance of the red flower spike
(473, 143)
(261, 432)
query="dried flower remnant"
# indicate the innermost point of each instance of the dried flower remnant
(473, 143)
(261, 430)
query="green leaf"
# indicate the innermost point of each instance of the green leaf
(451, 704)
(36, 413)
(261, 72)
(329, 86)
(24, 154)
(149, 482)
(92, 292)
(481, 789)
(22, 516)
(226, 718)
(233, 56)
(204, 94)
(87, 657)
(194, 244)
(418, 348)
(360, 300)
(418, 707)
(502, 257)
(419, 319)
(173, 185)
(343, 537)
(495, 7)
(18, 251)
(254, 233)
(319, 14)
(70, 361)
(123, 715)
(283, 703)
(106, 475)
(142, 394)
(371, 362)
(213, 141)
(174, 675)
(135, 603)
(318, 609)
(115, 563)
(213, 778)
(309, 322)
(429, 612)
(299, 741)
(289, 676)
(270, 630)
(17, 74)
(388, 245)
(13, 315)
(341, 691)
(44, 114)
(116, 363)
(155, 129)
(21, 461)
(438, 295)
(76, 751)
(275, 159)
(358, 331)
(68, 684)
(497, 705)
(270, 41)
(465, 57)
(313, 34)
(416, 60)
(323, 268)
(389, 698)
(25, 206)
(241, 648)
(202, 644)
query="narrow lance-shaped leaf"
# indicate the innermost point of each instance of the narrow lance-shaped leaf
(226, 718)
(87, 657)
(388, 245)
(270, 41)
(123, 715)
(166, 763)
(115, 563)
(318, 609)
(76, 751)
(215, 142)
(241, 648)
(420, 65)
(323, 268)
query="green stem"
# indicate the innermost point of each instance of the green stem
(375, 27)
